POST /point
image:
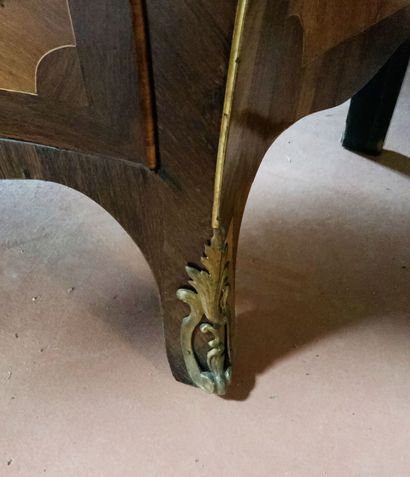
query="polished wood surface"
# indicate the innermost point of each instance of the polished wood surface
(276, 86)
(167, 212)
(146, 86)
(100, 110)
(30, 29)
(326, 23)
(190, 46)
(296, 58)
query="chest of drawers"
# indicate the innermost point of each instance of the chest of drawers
(161, 111)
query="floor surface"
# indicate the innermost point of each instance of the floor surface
(322, 378)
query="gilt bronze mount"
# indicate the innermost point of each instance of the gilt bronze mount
(210, 315)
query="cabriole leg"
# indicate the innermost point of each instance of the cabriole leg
(371, 109)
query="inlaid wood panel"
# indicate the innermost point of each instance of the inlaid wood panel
(60, 79)
(168, 212)
(79, 62)
(30, 29)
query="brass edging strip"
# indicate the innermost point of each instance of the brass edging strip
(227, 107)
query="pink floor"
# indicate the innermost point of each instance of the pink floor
(322, 376)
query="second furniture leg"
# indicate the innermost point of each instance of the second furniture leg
(371, 109)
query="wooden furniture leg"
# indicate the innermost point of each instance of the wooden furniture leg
(371, 109)
(168, 136)
(268, 89)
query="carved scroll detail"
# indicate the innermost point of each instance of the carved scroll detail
(210, 314)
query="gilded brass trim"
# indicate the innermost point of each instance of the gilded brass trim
(209, 306)
(227, 107)
(210, 315)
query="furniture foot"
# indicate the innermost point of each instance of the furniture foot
(209, 314)
(371, 109)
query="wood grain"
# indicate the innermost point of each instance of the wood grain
(112, 122)
(275, 86)
(190, 45)
(168, 212)
(30, 29)
(326, 23)
(146, 91)
(59, 79)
